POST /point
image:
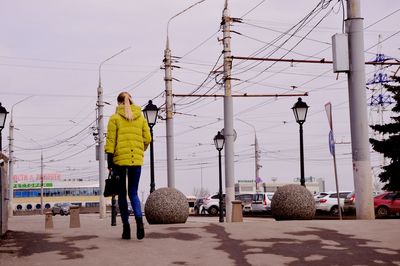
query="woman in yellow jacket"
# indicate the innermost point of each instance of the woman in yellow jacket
(128, 136)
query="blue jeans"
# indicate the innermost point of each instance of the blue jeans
(133, 183)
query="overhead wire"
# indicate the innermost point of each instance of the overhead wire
(296, 28)
(213, 68)
(317, 75)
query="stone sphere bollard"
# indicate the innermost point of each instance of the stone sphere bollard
(166, 206)
(293, 202)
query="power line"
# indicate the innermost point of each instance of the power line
(322, 61)
(245, 95)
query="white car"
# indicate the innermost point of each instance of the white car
(262, 202)
(327, 201)
(211, 204)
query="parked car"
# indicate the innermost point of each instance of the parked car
(327, 201)
(350, 202)
(198, 206)
(319, 194)
(246, 199)
(61, 208)
(211, 204)
(262, 202)
(387, 204)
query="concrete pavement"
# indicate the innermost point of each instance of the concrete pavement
(202, 241)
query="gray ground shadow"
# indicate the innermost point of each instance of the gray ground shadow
(352, 250)
(173, 232)
(25, 244)
(330, 246)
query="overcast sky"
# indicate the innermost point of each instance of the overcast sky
(50, 51)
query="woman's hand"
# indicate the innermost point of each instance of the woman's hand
(110, 161)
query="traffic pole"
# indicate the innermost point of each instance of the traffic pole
(228, 115)
(358, 113)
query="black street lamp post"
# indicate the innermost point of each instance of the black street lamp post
(300, 109)
(219, 141)
(3, 116)
(150, 111)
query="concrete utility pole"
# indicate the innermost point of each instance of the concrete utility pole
(169, 116)
(169, 106)
(100, 138)
(11, 166)
(11, 158)
(257, 161)
(100, 146)
(41, 182)
(257, 152)
(228, 115)
(358, 113)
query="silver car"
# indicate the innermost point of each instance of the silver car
(61, 208)
(262, 202)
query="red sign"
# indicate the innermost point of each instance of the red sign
(36, 177)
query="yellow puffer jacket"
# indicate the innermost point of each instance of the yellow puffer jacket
(127, 140)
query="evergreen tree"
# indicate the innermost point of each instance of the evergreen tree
(389, 146)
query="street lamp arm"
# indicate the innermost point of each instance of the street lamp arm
(111, 57)
(12, 107)
(183, 11)
(247, 123)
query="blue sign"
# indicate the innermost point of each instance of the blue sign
(331, 143)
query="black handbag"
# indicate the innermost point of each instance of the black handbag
(112, 185)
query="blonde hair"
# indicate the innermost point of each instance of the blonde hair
(126, 99)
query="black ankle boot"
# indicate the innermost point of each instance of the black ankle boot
(139, 228)
(126, 233)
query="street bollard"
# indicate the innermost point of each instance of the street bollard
(48, 220)
(74, 217)
(237, 211)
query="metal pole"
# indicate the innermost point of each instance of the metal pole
(1, 193)
(228, 116)
(152, 183)
(169, 117)
(221, 206)
(358, 113)
(41, 182)
(337, 188)
(302, 179)
(328, 108)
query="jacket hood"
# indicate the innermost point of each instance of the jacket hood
(136, 111)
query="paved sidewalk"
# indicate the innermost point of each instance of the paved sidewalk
(202, 241)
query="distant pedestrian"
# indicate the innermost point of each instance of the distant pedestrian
(128, 136)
